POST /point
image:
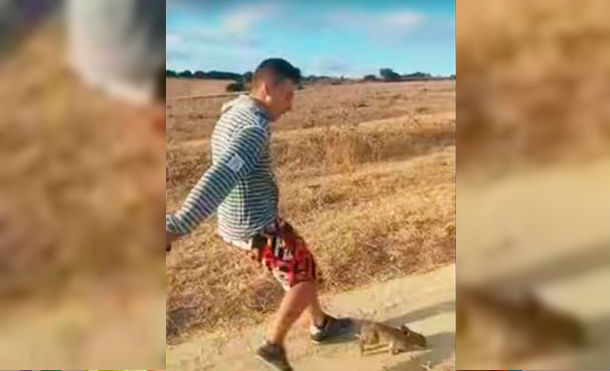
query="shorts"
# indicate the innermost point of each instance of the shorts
(285, 254)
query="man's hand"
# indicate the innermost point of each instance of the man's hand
(169, 238)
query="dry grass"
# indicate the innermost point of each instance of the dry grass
(184, 87)
(80, 181)
(81, 206)
(322, 105)
(533, 81)
(366, 174)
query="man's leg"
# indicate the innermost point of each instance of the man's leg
(316, 314)
(294, 266)
(301, 296)
(295, 301)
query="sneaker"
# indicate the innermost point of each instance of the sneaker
(332, 328)
(274, 356)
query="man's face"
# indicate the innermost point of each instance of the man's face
(281, 95)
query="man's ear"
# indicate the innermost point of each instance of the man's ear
(266, 88)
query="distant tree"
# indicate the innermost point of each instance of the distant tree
(220, 75)
(452, 77)
(247, 77)
(170, 73)
(199, 75)
(186, 74)
(417, 76)
(235, 86)
(370, 78)
(388, 74)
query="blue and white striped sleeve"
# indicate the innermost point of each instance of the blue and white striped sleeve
(240, 158)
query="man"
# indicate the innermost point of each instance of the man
(241, 185)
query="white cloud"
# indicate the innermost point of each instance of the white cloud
(405, 19)
(176, 55)
(243, 18)
(224, 38)
(236, 28)
(335, 66)
(172, 39)
(377, 23)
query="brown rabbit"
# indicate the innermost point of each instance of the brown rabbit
(401, 339)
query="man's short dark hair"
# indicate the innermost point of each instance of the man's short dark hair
(279, 69)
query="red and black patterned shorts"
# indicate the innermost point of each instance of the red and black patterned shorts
(285, 254)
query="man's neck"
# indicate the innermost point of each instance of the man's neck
(259, 102)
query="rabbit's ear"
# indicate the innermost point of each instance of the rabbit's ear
(405, 329)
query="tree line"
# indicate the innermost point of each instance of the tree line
(241, 81)
(216, 75)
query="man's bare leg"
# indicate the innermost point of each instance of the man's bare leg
(316, 314)
(295, 301)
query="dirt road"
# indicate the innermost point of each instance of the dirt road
(425, 302)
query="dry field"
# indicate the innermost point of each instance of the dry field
(183, 87)
(366, 174)
(81, 205)
(533, 86)
(80, 169)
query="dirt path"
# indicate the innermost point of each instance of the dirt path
(426, 302)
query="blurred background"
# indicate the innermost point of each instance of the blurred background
(82, 151)
(533, 113)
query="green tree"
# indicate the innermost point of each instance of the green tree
(388, 74)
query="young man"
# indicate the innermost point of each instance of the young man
(241, 185)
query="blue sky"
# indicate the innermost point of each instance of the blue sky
(350, 38)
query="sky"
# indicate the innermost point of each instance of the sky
(343, 37)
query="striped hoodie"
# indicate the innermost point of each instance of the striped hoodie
(240, 183)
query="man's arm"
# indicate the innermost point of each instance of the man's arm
(216, 183)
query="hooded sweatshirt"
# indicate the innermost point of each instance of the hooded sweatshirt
(240, 184)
